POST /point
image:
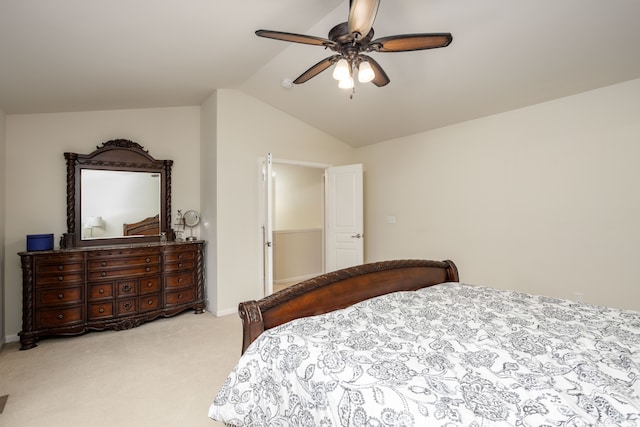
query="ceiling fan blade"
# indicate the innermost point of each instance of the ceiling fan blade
(408, 42)
(317, 69)
(295, 38)
(381, 78)
(362, 13)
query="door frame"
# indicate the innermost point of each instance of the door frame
(267, 286)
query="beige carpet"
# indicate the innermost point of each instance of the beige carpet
(164, 373)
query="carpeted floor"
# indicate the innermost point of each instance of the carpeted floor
(163, 373)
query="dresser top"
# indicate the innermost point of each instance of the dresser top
(108, 247)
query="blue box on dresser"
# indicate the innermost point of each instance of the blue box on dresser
(39, 242)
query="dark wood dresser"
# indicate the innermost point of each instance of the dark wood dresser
(72, 291)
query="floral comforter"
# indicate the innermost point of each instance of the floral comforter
(447, 355)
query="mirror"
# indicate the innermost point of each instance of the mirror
(191, 219)
(113, 198)
(117, 194)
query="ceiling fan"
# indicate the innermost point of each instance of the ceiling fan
(352, 39)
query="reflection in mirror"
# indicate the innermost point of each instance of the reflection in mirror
(112, 198)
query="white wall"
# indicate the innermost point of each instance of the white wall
(36, 172)
(2, 223)
(240, 143)
(543, 199)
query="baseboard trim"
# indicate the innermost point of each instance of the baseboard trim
(11, 338)
(225, 312)
(295, 279)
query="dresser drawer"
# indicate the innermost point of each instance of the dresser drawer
(179, 280)
(124, 272)
(101, 290)
(55, 317)
(100, 310)
(59, 279)
(174, 256)
(183, 296)
(149, 302)
(126, 288)
(62, 267)
(149, 284)
(180, 265)
(48, 297)
(126, 306)
(99, 264)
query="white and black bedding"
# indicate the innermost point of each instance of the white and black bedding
(447, 355)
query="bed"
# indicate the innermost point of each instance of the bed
(147, 227)
(404, 343)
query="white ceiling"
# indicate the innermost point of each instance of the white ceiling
(77, 55)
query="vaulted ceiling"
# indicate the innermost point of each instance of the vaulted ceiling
(78, 55)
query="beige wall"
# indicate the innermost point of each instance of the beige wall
(297, 255)
(2, 222)
(543, 199)
(549, 188)
(240, 143)
(298, 197)
(209, 193)
(36, 172)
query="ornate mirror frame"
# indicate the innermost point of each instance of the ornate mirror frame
(117, 155)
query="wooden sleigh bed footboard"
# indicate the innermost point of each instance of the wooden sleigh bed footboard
(340, 289)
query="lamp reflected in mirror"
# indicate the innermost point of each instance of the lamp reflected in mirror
(94, 222)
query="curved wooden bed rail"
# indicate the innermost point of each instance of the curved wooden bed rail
(340, 289)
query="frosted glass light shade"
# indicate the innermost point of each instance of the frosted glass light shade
(342, 70)
(365, 72)
(346, 83)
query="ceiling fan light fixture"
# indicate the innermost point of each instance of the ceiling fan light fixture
(346, 83)
(365, 72)
(342, 70)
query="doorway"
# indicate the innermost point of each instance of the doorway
(298, 223)
(311, 219)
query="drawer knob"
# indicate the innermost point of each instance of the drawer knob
(179, 296)
(103, 263)
(103, 274)
(126, 305)
(101, 310)
(150, 302)
(60, 295)
(101, 291)
(179, 279)
(60, 278)
(180, 265)
(150, 284)
(60, 267)
(126, 287)
(60, 316)
(148, 260)
(180, 256)
(148, 269)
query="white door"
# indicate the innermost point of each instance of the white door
(344, 224)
